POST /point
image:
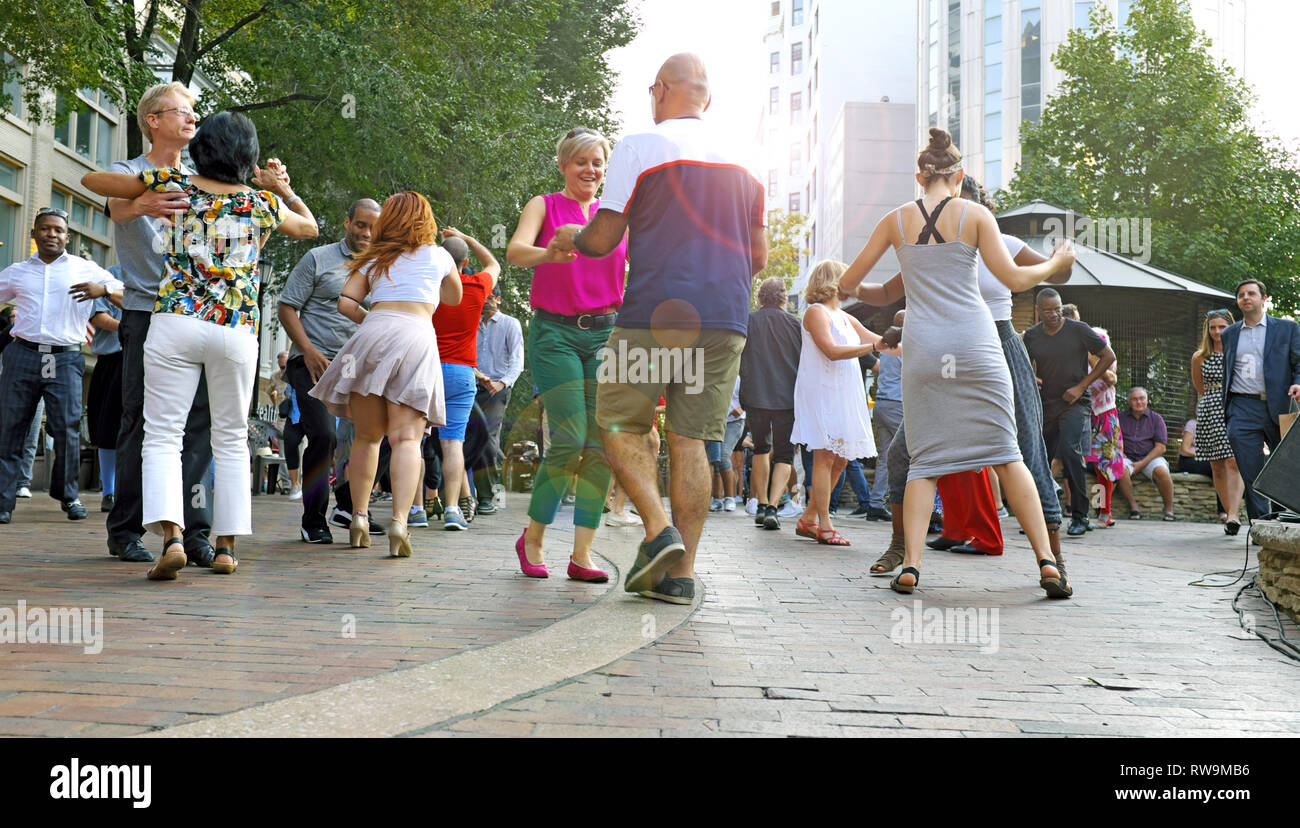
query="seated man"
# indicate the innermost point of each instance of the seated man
(1145, 439)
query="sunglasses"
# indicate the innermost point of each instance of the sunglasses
(1221, 313)
(576, 131)
(52, 211)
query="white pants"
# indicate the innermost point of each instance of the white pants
(177, 349)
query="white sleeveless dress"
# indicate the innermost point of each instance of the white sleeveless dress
(830, 402)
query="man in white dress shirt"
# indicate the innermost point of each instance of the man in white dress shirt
(52, 292)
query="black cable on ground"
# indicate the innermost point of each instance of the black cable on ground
(1284, 645)
(1245, 565)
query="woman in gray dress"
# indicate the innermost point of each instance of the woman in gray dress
(958, 409)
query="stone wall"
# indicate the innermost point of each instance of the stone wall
(1279, 564)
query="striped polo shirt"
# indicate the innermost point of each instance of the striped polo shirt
(692, 208)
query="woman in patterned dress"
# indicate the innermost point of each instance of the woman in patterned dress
(206, 322)
(1211, 431)
(1107, 441)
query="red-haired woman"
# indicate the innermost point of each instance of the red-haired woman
(387, 379)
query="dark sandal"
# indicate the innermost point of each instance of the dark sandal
(170, 563)
(887, 562)
(225, 568)
(830, 537)
(905, 589)
(1054, 587)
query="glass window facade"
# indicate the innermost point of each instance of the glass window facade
(992, 94)
(1082, 8)
(796, 58)
(11, 99)
(796, 13)
(932, 62)
(1031, 60)
(954, 70)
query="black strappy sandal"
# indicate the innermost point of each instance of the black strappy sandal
(1054, 587)
(224, 568)
(905, 589)
(170, 563)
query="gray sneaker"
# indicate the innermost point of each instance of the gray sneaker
(653, 559)
(672, 590)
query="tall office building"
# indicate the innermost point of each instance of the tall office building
(842, 90)
(984, 66)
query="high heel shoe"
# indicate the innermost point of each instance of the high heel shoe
(399, 540)
(1054, 587)
(170, 563)
(582, 573)
(532, 570)
(359, 532)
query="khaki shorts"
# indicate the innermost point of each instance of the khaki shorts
(694, 371)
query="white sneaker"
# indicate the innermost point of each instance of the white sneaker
(790, 509)
(295, 493)
(624, 519)
(751, 506)
(23, 491)
(716, 505)
(728, 504)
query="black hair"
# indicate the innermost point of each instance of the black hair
(225, 148)
(1046, 293)
(971, 190)
(363, 203)
(1263, 291)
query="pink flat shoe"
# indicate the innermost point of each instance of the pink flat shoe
(581, 573)
(532, 570)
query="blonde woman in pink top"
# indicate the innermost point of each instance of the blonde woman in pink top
(574, 301)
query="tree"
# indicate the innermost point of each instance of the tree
(1146, 124)
(785, 249)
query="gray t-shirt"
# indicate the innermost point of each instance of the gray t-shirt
(106, 342)
(313, 290)
(140, 244)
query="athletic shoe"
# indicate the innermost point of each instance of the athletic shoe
(382, 497)
(418, 517)
(485, 507)
(653, 559)
(625, 519)
(75, 510)
(23, 491)
(1003, 512)
(295, 493)
(343, 520)
(454, 521)
(770, 518)
(751, 506)
(728, 504)
(789, 509)
(879, 513)
(321, 535)
(860, 512)
(106, 503)
(715, 505)
(672, 590)
(1077, 528)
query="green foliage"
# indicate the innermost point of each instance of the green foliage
(785, 249)
(1147, 124)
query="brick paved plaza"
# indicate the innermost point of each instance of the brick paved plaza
(788, 639)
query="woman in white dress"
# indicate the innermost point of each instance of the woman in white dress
(830, 404)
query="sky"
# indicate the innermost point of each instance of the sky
(728, 35)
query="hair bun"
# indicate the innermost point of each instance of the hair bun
(940, 140)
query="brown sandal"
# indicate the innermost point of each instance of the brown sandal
(889, 561)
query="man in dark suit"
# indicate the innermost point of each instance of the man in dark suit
(1261, 358)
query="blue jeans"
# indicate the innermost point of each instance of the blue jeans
(887, 417)
(853, 473)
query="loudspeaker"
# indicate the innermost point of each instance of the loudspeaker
(1279, 480)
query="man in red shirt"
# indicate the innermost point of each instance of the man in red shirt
(457, 330)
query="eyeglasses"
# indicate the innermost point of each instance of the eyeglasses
(181, 111)
(1050, 311)
(652, 86)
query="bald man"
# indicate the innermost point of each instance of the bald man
(694, 217)
(309, 313)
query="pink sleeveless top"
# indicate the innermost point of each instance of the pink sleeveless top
(584, 284)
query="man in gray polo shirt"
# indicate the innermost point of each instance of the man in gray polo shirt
(140, 236)
(310, 316)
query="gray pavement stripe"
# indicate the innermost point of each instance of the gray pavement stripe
(419, 698)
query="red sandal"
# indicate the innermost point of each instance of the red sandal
(830, 537)
(805, 530)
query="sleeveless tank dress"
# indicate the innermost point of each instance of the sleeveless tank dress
(830, 402)
(958, 407)
(1211, 431)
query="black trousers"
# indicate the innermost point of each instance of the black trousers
(28, 377)
(317, 423)
(125, 522)
(1068, 435)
